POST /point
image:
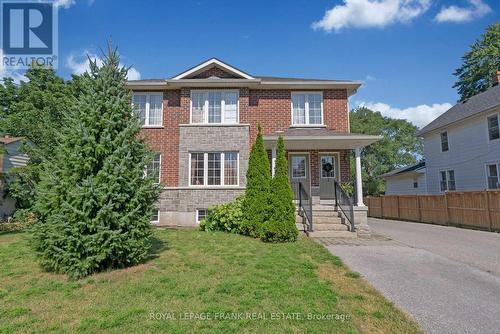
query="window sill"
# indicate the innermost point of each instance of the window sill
(307, 126)
(152, 127)
(213, 124)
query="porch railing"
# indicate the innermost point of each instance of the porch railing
(345, 204)
(304, 201)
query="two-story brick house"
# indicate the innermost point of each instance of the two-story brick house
(203, 122)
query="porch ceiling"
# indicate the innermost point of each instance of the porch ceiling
(319, 139)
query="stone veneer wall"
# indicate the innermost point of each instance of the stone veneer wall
(178, 205)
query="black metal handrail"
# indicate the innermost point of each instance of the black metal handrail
(345, 203)
(305, 206)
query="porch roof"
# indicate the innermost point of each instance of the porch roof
(320, 139)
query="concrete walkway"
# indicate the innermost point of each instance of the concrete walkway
(446, 278)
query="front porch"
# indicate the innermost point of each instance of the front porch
(319, 169)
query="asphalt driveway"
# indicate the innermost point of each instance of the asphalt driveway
(446, 278)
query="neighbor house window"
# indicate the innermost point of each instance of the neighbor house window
(214, 169)
(214, 107)
(493, 174)
(155, 216)
(415, 183)
(148, 107)
(444, 141)
(307, 109)
(298, 167)
(153, 168)
(201, 214)
(493, 129)
(447, 180)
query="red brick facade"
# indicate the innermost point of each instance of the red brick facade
(271, 108)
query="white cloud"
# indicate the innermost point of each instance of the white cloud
(476, 9)
(79, 64)
(64, 3)
(371, 13)
(420, 115)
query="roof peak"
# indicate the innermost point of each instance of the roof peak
(208, 64)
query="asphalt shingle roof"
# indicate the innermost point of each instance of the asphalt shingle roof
(476, 104)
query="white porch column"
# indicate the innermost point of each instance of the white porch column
(359, 181)
(273, 160)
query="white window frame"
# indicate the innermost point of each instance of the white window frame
(156, 221)
(306, 106)
(447, 141)
(447, 171)
(205, 93)
(198, 214)
(488, 127)
(146, 116)
(222, 176)
(159, 171)
(486, 166)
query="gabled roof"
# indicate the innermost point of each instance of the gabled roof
(225, 76)
(212, 62)
(479, 103)
(413, 168)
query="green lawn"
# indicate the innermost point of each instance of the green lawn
(213, 275)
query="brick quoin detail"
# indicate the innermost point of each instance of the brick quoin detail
(270, 108)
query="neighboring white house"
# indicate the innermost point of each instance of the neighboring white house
(462, 146)
(406, 181)
(10, 157)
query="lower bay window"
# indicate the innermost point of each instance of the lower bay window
(213, 169)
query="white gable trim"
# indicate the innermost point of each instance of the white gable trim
(209, 63)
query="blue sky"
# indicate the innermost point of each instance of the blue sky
(404, 50)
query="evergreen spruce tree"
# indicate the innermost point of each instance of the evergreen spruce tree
(256, 201)
(93, 202)
(281, 226)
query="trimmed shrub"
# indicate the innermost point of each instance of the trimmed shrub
(225, 217)
(281, 197)
(279, 231)
(256, 202)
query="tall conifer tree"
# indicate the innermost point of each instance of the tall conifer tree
(93, 202)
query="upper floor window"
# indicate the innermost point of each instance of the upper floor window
(493, 174)
(307, 109)
(214, 107)
(148, 107)
(214, 169)
(153, 168)
(444, 141)
(447, 180)
(493, 129)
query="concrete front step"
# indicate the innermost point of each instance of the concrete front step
(323, 207)
(326, 220)
(330, 227)
(332, 234)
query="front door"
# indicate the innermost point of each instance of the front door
(299, 172)
(327, 174)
